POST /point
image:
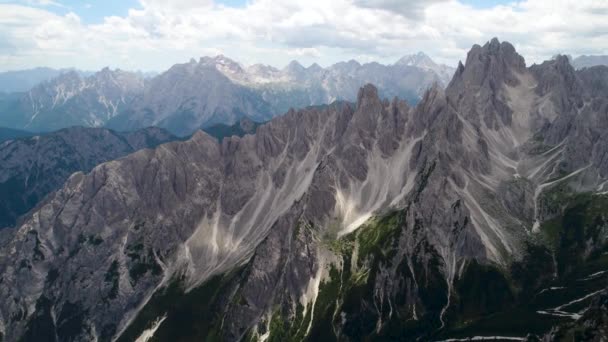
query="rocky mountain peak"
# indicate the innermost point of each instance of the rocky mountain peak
(558, 78)
(367, 94)
(262, 68)
(315, 68)
(353, 62)
(585, 61)
(70, 76)
(493, 64)
(294, 66)
(419, 59)
(346, 67)
(106, 75)
(552, 73)
(224, 64)
(459, 70)
(423, 61)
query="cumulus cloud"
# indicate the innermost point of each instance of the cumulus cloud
(407, 8)
(45, 3)
(160, 33)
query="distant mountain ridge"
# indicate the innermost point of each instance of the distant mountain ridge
(589, 61)
(191, 96)
(210, 91)
(243, 127)
(421, 60)
(71, 100)
(340, 81)
(32, 167)
(24, 80)
(9, 134)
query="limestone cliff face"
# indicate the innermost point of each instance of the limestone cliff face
(339, 222)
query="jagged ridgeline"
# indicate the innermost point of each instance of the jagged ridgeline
(482, 211)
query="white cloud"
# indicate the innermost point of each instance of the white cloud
(45, 3)
(408, 8)
(301, 52)
(161, 33)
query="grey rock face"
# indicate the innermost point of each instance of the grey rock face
(33, 167)
(395, 203)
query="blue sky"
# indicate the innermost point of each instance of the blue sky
(155, 34)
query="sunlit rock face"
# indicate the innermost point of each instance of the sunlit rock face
(333, 222)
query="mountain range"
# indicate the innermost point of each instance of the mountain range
(9, 134)
(24, 80)
(479, 212)
(589, 61)
(32, 167)
(71, 100)
(208, 92)
(214, 90)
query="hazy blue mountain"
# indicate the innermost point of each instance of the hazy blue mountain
(589, 61)
(297, 86)
(71, 100)
(9, 134)
(24, 80)
(239, 129)
(191, 96)
(214, 90)
(32, 167)
(423, 61)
